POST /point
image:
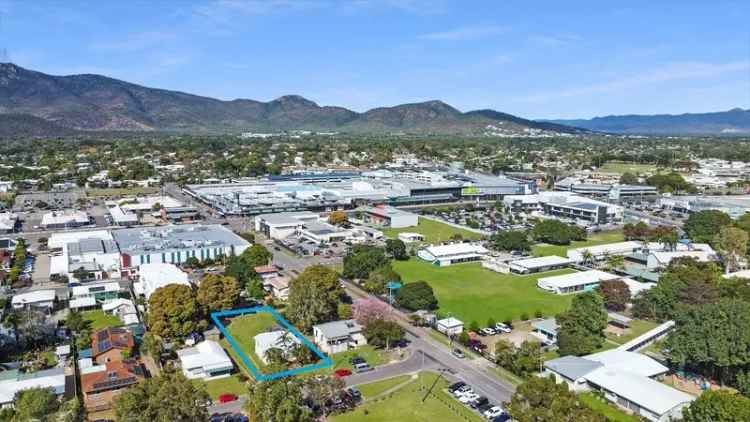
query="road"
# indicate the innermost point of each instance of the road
(227, 408)
(653, 219)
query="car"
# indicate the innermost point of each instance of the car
(357, 359)
(502, 327)
(462, 390)
(502, 418)
(468, 397)
(487, 332)
(343, 372)
(481, 401)
(493, 412)
(354, 393)
(485, 407)
(227, 398)
(458, 353)
(455, 386)
(362, 367)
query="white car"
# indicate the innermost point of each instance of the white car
(468, 397)
(488, 331)
(493, 412)
(502, 327)
(463, 391)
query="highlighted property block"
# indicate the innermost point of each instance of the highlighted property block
(216, 317)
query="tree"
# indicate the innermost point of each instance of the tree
(246, 276)
(615, 262)
(628, 178)
(313, 297)
(338, 218)
(511, 240)
(218, 293)
(504, 353)
(256, 256)
(322, 389)
(731, 243)
(615, 293)
(362, 260)
(276, 401)
(382, 333)
(191, 262)
(370, 309)
(527, 358)
(556, 232)
(169, 397)
(174, 312)
(672, 182)
(417, 296)
(718, 406)
(38, 404)
(637, 231)
(397, 249)
(75, 321)
(581, 327)
(543, 400)
(378, 279)
(702, 226)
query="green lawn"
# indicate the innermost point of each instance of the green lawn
(433, 231)
(637, 327)
(609, 411)
(99, 319)
(623, 167)
(243, 330)
(472, 293)
(231, 384)
(373, 356)
(406, 405)
(593, 240)
(375, 388)
(98, 192)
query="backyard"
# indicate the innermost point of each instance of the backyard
(232, 384)
(593, 240)
(407, 403)
(434, 232)
(472, 293)
(243, 329)
(605, 409)
(99, 319)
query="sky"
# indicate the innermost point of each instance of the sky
(535, 59)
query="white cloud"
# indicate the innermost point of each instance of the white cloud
(667, 73)
(466, 33)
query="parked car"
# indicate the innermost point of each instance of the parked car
(481, 401)
(362, 367)
(493, 412)
(468, 397)
(458, 353)
(227, 398)
(354, 393)
(357, 359)
(502, 418)
(343, 372)
(487, 332)
(455, 386)
(462, 390)
(502, 327)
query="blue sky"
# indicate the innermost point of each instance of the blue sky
(536, 59)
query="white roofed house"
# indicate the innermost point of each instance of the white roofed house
(207, 360)
(13, 381)
(37, 299)
(454, 253)
(153, 276)
(699, 251)
(449, 326)
(601, 252)
(576, 282)
(539, 264)
(91, 296)
(8, 222)
(122, 308)
(282, 340)
(339, 336)
(277, 286)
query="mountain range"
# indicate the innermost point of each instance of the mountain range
(98, 103)
(732, 122)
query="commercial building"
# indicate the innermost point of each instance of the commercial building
(8, 221)
(625, 379)
(611, 191)
(207, 360)
(282, 225)
(338, 336)
(154, 276)
(13, 381)
(320, 232)
(454, 253)
(539, 264)
(736, 205)
(578, 282)
(67, 219)
(121, 217)
(387, 216)
(175, 244)
(566, 206)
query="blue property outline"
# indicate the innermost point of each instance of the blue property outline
(259, 376)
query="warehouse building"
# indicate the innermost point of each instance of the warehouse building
(454, 253)
(387, 216)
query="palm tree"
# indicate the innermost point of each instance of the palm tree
(615, 262)
(588, 257)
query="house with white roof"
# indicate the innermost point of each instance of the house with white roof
(13, 381)
(339, 336)
(577, 282)
(123, 309)
(601, 252)
(454, 253)
(93, 253)
(8, 222)
(545, 331)
(539, 264)
(408, 237)
(154, 276)
(624, 378)
(282, 340)
(449, 326)
(206, 360)
(37, 299)
(701, 252)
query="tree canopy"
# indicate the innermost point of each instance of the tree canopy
(556, 232)
(511, 240)
(397, 249)
(362, 260)
(417, 296)
(718, 406)
(378, 279)
(218, 293)
(582, 325)
(383, 333)
(702, 226)
(168, 397)
(543, 400)
(277, 401)
(338, 218)
(174, 312)
(313, 297)
(615, 293)
(256, 256)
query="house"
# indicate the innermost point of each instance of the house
(278, 287)
(12, 381)
(624, 378)
(153, 276)
(8, 222)
(123, 309)
(388, 216)
(266, 272)
(539, 264)
(282, 340)
(454, 253)
(111, 345)
(545, 331)
(38, 299)
(338, 336)
(658, 260)
(91, 296)
(450, 326)
(7, 244)
(206, 360)
(101, 383)
(583, 281)
(408, 237)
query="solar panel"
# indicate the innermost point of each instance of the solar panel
(105, 385)
(103, 335)
(105, 345)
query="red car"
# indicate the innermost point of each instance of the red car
(227, 397)
(341, 373)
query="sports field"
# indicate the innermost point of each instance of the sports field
(433, 231)
(472, 293)
(593, 240)
(623, 167)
